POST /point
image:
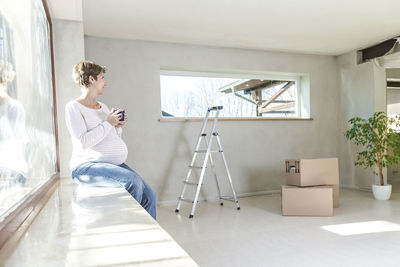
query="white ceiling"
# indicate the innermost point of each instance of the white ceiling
(329, 27)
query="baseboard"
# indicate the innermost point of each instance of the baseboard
(242, 195)
(354, 187)
(262, 193)
(259, 193)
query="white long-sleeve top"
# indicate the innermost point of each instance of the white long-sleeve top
(13, 136)
(94, 139)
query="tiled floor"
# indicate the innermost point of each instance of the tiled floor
(258, 235)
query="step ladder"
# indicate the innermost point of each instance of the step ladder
(207, 152)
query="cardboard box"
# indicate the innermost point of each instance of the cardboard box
(335, 188)
(307, 201)
(308, 172)
(311, 172)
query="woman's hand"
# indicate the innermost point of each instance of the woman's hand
(122, 123)
(114, 117)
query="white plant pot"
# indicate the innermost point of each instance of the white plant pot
(382, 192)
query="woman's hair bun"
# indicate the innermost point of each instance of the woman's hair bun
(83, 70)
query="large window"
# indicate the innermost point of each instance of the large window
(27, 132)
(188, 94)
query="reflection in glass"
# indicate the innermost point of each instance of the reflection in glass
(27, 134)
(13, 136)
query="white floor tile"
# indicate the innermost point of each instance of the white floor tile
(258, 235)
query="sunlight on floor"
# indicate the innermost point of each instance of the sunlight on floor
(362, 228)
(125, 244)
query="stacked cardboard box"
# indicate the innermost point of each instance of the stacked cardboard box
(312, 187)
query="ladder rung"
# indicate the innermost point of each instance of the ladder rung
(187, 200)
(205, 151)
(191, 183)
(215, 108)
(196, 167)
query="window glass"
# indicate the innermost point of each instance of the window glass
(189, 95)
(27, 134)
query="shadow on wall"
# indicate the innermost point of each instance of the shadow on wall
(263, 179)
(183, 149)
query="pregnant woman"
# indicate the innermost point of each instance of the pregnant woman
(99, 153)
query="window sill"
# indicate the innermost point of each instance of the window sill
(232, 119)
(103, 228)
(13, 226)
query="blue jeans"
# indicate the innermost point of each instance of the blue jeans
(10, 178)
(102, 174)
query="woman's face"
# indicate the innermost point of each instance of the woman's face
(99, 84)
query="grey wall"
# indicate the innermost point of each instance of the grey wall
(255, 150)
(362, 91)
(393, 107)
(68, 50)
(393, 73)
(393, 95)
(393, 101)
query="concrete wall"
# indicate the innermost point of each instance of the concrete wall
(68, 50)
(362, 91)
(393, 73)
(393, 95)
(160, 151)
(255, 150)
(393, 107)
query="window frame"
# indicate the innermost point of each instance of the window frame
(13, 226)
(296, 77)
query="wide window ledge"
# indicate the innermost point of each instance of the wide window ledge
(95, 226)
(233, 119)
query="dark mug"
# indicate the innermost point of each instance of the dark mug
(122, 115)
(121, 112)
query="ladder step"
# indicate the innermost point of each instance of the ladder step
(191, 183)
(196, 167)
(215, 108)
(205, 151)
(187, 200)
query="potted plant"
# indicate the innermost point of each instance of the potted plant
(381, 145)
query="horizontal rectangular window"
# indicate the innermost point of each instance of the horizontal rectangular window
(189, 94)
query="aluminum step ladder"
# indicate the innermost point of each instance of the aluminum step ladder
(207, 152)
